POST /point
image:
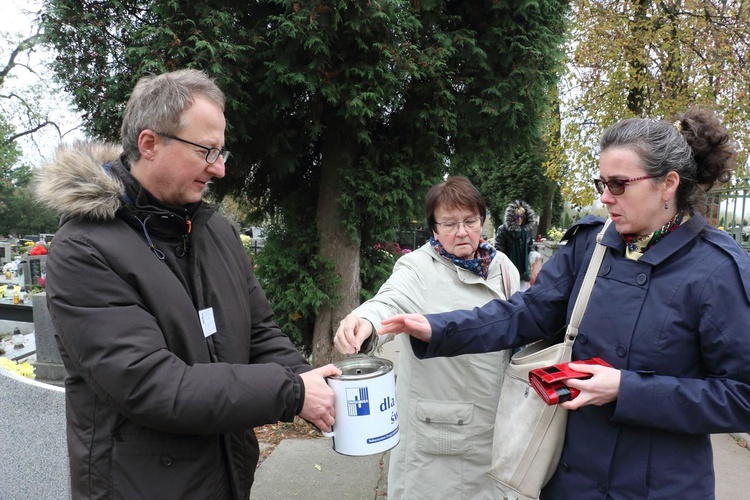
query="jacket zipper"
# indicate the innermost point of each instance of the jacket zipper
(188, 230)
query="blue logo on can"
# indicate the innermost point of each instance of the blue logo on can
(357, 401)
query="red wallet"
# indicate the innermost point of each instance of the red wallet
(548, 381)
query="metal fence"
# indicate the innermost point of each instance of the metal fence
(413, 238)
(729, 209)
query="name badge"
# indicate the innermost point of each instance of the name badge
(208, 323)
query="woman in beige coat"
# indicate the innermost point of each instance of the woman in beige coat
(446, 405)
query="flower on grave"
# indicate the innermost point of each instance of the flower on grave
(41, 281)
(555, 234)
(39, 249)
(391, 248)
(23, 369)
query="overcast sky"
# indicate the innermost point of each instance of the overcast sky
(13, 19)
(17, 20)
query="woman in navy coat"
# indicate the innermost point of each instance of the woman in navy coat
(670, 311)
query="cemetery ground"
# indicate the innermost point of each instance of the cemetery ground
(269, 436)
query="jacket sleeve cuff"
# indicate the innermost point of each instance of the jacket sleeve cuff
(429, 349)
(299, 392)
(635, 396)
(371, 343)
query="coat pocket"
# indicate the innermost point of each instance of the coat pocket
(190, 467)
(443, 427)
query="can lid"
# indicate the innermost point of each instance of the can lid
(362, 367)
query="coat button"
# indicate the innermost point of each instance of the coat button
(582, 338)
(451, 329)
(166, 461)
(601, 487)
(606, 270)
(621, 350)
(565, 466)
(641, 279)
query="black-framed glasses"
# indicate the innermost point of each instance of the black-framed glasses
(212, 154)
(617, 186)
(469, 224)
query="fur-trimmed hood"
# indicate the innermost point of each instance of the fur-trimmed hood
(75, 183)
(529, 217)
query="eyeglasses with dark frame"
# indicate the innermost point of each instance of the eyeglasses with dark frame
(469, 224)
(212, 154)
(617, 186)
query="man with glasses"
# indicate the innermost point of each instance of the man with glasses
(212, 154)
(169, 343)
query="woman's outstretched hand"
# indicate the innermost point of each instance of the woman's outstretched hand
(415, 325)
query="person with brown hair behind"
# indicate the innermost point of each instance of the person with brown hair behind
(669, 311)
(446, 406)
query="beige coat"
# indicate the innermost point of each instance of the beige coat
(446, 405)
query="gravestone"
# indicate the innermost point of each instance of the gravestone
(33, 448)
(31, 268)
(548, 249)
(48, 365)
(5, 252)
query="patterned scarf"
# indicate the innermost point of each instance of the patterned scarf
(640, 244)
(479, 265)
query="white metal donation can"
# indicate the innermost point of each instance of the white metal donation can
(366, 414)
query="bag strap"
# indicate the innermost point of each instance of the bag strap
(506, 277)
(588, 284)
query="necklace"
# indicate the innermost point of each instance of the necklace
(635, 243)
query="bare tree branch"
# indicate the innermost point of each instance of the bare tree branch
(11, 138)
(23, 46)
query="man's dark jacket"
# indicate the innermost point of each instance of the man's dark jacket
(154, 409)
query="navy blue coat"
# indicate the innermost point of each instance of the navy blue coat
(676, 323)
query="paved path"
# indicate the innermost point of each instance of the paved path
(33, 452)
(732, 465)
(308, 469)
